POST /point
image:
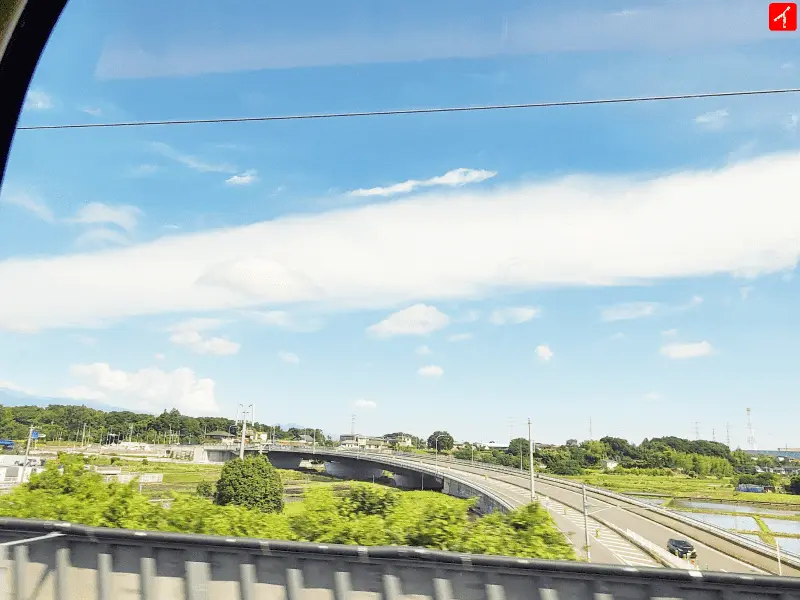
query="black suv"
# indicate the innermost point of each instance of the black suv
(681, 548)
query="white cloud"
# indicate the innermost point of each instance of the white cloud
(454, 178)
(669, 332)
(424, 351)
(459, 337)
(151, 390)
(188, 334)
(652, 396)
(745, 291)
(617, 336)
(143, 170)
(419, 319)
(284, 320)
(362, 404)
(543, 352)
(629, 310)
(246, 178)
(289, 357)
(102, 235)
(38, 100)
(95, 112)
(638, 310)
(514, 316)
(192, 162)
(792, 122)
(32, 205)
(431, 371)
(689, 350)
(715, 119)
(159, 356)
(741, 220)
(97, 213)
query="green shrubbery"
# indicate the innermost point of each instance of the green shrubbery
(366, 514)
(252, 482)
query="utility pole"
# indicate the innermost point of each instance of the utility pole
(586, 523)
(244, 428)
(27, 451)
(530, 459)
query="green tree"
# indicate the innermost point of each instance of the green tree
(794, 485)
(252, 482)
(445, 441)
(518, 446)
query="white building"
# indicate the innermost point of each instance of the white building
(364, 442)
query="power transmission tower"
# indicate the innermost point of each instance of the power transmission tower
(353, 424)
(713, 435)
(728, 434)
(591, 436)
(696, 430)
(751, 433)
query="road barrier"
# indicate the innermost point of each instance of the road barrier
(62, 561)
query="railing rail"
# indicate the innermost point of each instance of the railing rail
(111, 564)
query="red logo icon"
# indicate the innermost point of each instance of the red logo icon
(783, 16)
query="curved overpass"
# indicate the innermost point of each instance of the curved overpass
(628, 519)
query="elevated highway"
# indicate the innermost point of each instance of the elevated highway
(616, 520)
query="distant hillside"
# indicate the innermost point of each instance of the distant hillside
(16, 398)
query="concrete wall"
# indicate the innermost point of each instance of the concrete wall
(485, 505)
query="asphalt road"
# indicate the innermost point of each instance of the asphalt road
(625, 518)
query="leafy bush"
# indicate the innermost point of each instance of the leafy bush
(794, 485)
(205, 490)
(366, 515)
(252, 483)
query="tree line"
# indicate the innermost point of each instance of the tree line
(79, 423)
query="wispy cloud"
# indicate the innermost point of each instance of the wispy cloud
(669, 332)
(454, 178)
(638, 310)
(27, 202)
(289, 358)
(419, 319)
(652, 396)
(688, 350)
(192, 162)
(143, 170)
(190, 334)
(102, 235)
(431, 371)
(363, 404)
(247, 178)
(514, 316)
(38, 100)
(284, 320)
(424, 351)
(745, 291)
(629, 310)
(715, 119)
(126, 217)
(459, 337)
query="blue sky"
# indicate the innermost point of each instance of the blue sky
(629, 263)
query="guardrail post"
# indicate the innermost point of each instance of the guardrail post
(62, 571)
(104, 567)
(5, 575)
(20, 568)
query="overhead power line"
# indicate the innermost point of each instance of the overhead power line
(410, 111)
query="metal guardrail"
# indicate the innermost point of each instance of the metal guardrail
(61, 561)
